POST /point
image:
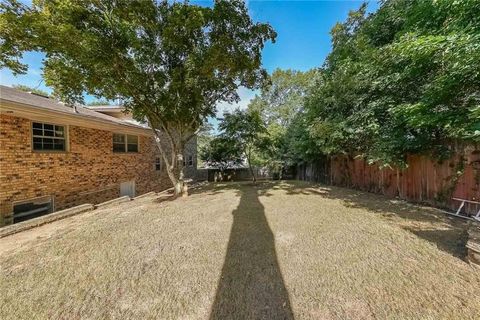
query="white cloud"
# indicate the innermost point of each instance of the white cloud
(246, 95)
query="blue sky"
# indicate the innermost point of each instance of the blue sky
(303, 40)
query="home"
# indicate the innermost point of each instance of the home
(53, 156)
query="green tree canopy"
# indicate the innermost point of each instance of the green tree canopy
(401, 80)
(100, 102)
(222, 153)
(245, 128)
(281, 106)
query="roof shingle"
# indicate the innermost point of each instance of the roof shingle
(43, 103)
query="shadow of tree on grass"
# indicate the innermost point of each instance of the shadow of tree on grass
(447, 233)
(251, 285)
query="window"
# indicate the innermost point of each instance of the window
(158, 164)
(132, 143)
(118, 142)
(125, 143)
(48, 137)
(32, 208)
(190, 160)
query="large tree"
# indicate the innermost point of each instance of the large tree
(169, 62)
(400, 81)
(280, 104)
(222, 153)
(246, 129)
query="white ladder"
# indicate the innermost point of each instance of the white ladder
(462, 204)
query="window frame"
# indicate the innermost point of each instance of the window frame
(65, 137)
(190, 160)
(42, 199)
(125, 143)
(158, 164)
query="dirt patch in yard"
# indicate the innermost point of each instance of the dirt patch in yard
(274, 250)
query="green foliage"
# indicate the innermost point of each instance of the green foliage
(100, 102)
(281, 105)
(246, 129)
(31, 90)
(204, 136)
(221, 152)
(402, 80)
(283, 96)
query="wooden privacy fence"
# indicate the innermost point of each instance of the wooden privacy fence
(424, 180)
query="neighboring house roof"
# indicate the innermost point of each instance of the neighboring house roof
(40, 104)
(117, 112)
(106, 108)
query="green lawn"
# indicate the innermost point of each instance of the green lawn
(236, 251)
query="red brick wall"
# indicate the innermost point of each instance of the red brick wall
(89, 172)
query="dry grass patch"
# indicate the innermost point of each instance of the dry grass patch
(270, 251)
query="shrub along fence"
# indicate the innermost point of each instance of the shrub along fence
(239, 174)
(425, 180)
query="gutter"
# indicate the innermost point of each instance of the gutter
(32, 110)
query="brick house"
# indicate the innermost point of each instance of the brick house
(53, 156)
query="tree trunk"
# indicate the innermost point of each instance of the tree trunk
(174, 166)
(180, 187)
(248, 153)
(251, 172)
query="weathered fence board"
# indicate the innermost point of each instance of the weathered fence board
(424, 180)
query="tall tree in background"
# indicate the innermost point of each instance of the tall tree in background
(280, 104)
(100, 102)
(222, 153)
(245, 128)
(204, 136)
(170, 63)
(403, 80)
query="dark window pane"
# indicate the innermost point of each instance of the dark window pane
(132, 148)
(25, 211)
(119, 138)
(59, 132)
(118, 147)
(132, 139)
(48, 137)
(37, 132)
(59, 145)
